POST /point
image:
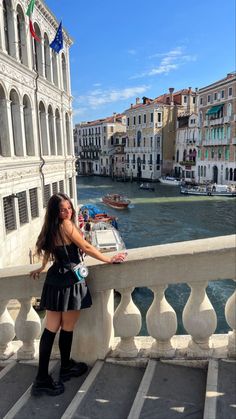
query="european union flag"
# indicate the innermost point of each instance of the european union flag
(57, 43)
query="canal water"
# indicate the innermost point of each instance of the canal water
(165, 216)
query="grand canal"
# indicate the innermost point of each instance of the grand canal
(165, 216)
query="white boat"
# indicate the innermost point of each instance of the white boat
(106, 238)
(147, 186)
(210, 190)
(170, 180)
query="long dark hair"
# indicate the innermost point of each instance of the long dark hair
(50, 232)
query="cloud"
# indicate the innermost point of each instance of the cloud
(170, 61)
(132, 51)
(98, 97)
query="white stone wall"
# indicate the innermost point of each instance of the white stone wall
(24, 164)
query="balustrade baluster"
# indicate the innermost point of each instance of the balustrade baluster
(230, 314)
(7, 331)
(161, 324)
(199, 320)
(27, 327)
(127, 324)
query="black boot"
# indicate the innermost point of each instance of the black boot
(69, 368)
(74, 369)
(47, 386)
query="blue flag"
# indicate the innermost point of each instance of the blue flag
(57, 43)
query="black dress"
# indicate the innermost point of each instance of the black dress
(59, 294)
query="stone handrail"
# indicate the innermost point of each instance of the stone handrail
(193, 262)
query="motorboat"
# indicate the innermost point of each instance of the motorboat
(170, 180)
(90, 212)
(147, 186)
(116, 201)
(209, 190)
(106, 238)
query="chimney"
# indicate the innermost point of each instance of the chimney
(189, 89)
(137, 100)
(171, 90)
(114, 116)
(131, 105)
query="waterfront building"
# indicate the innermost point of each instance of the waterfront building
(216, 160)
(94, 144)
(36, 153)
(151, 133)
(118, 160)
(186, 146)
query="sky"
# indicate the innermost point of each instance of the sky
(134, 48)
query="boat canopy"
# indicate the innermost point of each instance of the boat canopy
(92, 210)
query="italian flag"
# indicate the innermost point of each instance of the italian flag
(31, 26)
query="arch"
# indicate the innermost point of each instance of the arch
(16, 123)
(9, 32)
(68, 142)
(51, 131)
(215, 174)
(21, 36)
(184, 154)
(234, 178)
(64, 71)
(43, 129)
(28, 126)
(37, 51)
(5, 150)
(58, 132)
(226, 173)
(231, 174)
(47, 62)
(54, 67)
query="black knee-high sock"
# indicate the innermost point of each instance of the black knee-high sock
(65, 342)
(45, 349)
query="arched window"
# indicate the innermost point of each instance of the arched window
(37, 51)
(54, 67)
(51, 131)
(47, 63)
(4, 131)
(184, 155)
(28, 127)
(16, 123)
(231, 174)
(139, 135)
(68, 142)
(58, 133)
(21, 35)
(64, 71)
(43, 129)
(8, 21)
(226, 173)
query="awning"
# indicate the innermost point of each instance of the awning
(214, 109)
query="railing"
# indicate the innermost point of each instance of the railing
(194, 262)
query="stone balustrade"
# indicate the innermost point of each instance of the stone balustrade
(194, 262)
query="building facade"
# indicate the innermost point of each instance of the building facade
(151, 133)
(216, 160)
(186, 147)
(36, 147)
(95, 144)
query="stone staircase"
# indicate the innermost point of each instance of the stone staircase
(122, 389)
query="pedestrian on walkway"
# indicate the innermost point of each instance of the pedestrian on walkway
(60, 241)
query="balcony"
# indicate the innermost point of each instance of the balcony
(218, 121)
(187, 163)
(124, 370)
(216, 142)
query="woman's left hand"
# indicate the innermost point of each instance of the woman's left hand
(119, 258)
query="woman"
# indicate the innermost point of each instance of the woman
(59, 241)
